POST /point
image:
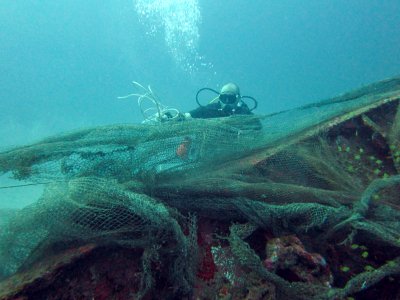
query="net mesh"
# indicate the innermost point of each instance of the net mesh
(326, 172)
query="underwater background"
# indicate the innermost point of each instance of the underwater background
(64, 63)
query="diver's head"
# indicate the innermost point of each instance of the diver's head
(229, 95)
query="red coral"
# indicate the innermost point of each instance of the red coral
(287, 256)
(207, 267)
(103, 290)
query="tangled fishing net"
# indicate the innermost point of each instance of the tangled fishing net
(202, 198)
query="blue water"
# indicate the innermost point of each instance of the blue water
(64, 63)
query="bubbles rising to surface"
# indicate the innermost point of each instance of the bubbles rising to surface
(180, 20)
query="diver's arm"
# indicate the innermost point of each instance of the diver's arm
(210, 111)
(244, 110)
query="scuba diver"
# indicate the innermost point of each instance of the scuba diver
(228, 102)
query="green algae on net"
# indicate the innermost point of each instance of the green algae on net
(325, 174)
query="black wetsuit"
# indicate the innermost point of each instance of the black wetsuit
(215, 110)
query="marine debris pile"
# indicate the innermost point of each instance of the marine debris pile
(305, 206)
